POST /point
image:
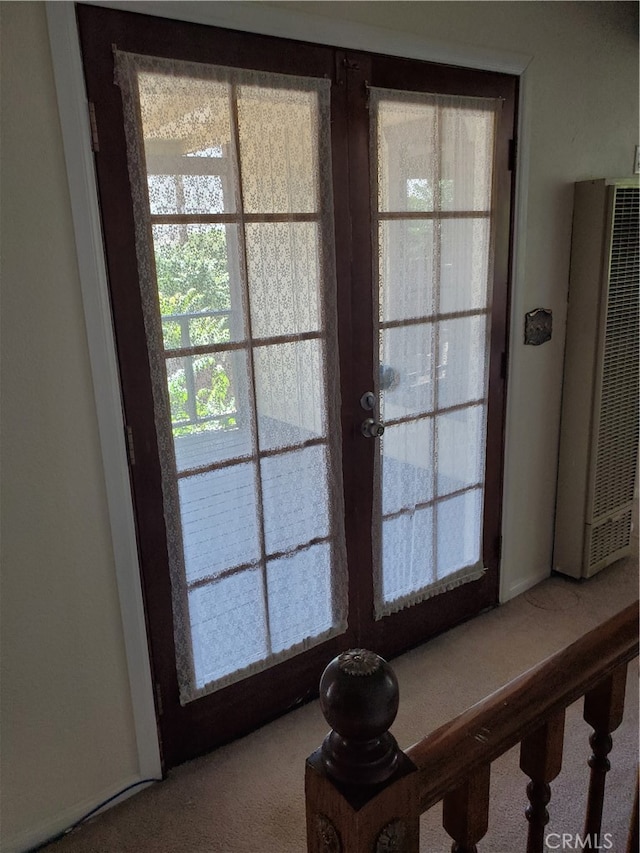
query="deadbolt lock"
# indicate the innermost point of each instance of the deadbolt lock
(368, 401)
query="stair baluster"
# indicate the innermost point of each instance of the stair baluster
(541, 760)
(603, 710)
(465, 811)
(633, 841)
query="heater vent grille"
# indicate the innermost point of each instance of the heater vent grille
(600, 427)
(609, 537)
(618, 429)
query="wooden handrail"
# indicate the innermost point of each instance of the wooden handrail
(489, 728)
(365, 795)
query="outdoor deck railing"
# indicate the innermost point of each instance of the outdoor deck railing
(185, 353)
(365, 795)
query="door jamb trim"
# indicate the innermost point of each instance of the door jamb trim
(74, 119)
(264, 19)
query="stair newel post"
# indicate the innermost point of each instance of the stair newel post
(603, 710)
(541, 760)
(361, 791)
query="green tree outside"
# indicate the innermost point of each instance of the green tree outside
(193, 277)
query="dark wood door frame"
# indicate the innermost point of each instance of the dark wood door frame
(188, 731)
(400, 631)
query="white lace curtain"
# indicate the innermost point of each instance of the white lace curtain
(432, 168)
(231, 182)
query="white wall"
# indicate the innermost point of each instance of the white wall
(68, 735)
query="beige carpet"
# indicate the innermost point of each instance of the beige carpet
(247, 797)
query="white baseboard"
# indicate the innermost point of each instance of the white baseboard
(523, 585)
(53, 826)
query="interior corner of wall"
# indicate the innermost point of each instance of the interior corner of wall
(513, 587)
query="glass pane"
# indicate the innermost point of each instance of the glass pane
(283, 267)
(180, 193)
(464, 264)
(295, 500)
(459, 526)
(278, 142)
(290, 395)
(228, 626)
(407, 144)
(462, 364)
(406, 381)
(187, 134)
(198, 284)
(407, 553)
(210, 410)
(467, 158)
(299, 588)
(406, 261)
(219, 521)
(460, 449)
(407, 465)
(434, 152)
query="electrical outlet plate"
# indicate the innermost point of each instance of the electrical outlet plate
(636, 161)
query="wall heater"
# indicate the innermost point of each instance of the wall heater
(600, 421)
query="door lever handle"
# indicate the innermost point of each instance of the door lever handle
(371, 428)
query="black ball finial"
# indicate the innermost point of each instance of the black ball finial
(359, 699)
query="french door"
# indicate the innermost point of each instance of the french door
(308, 255)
